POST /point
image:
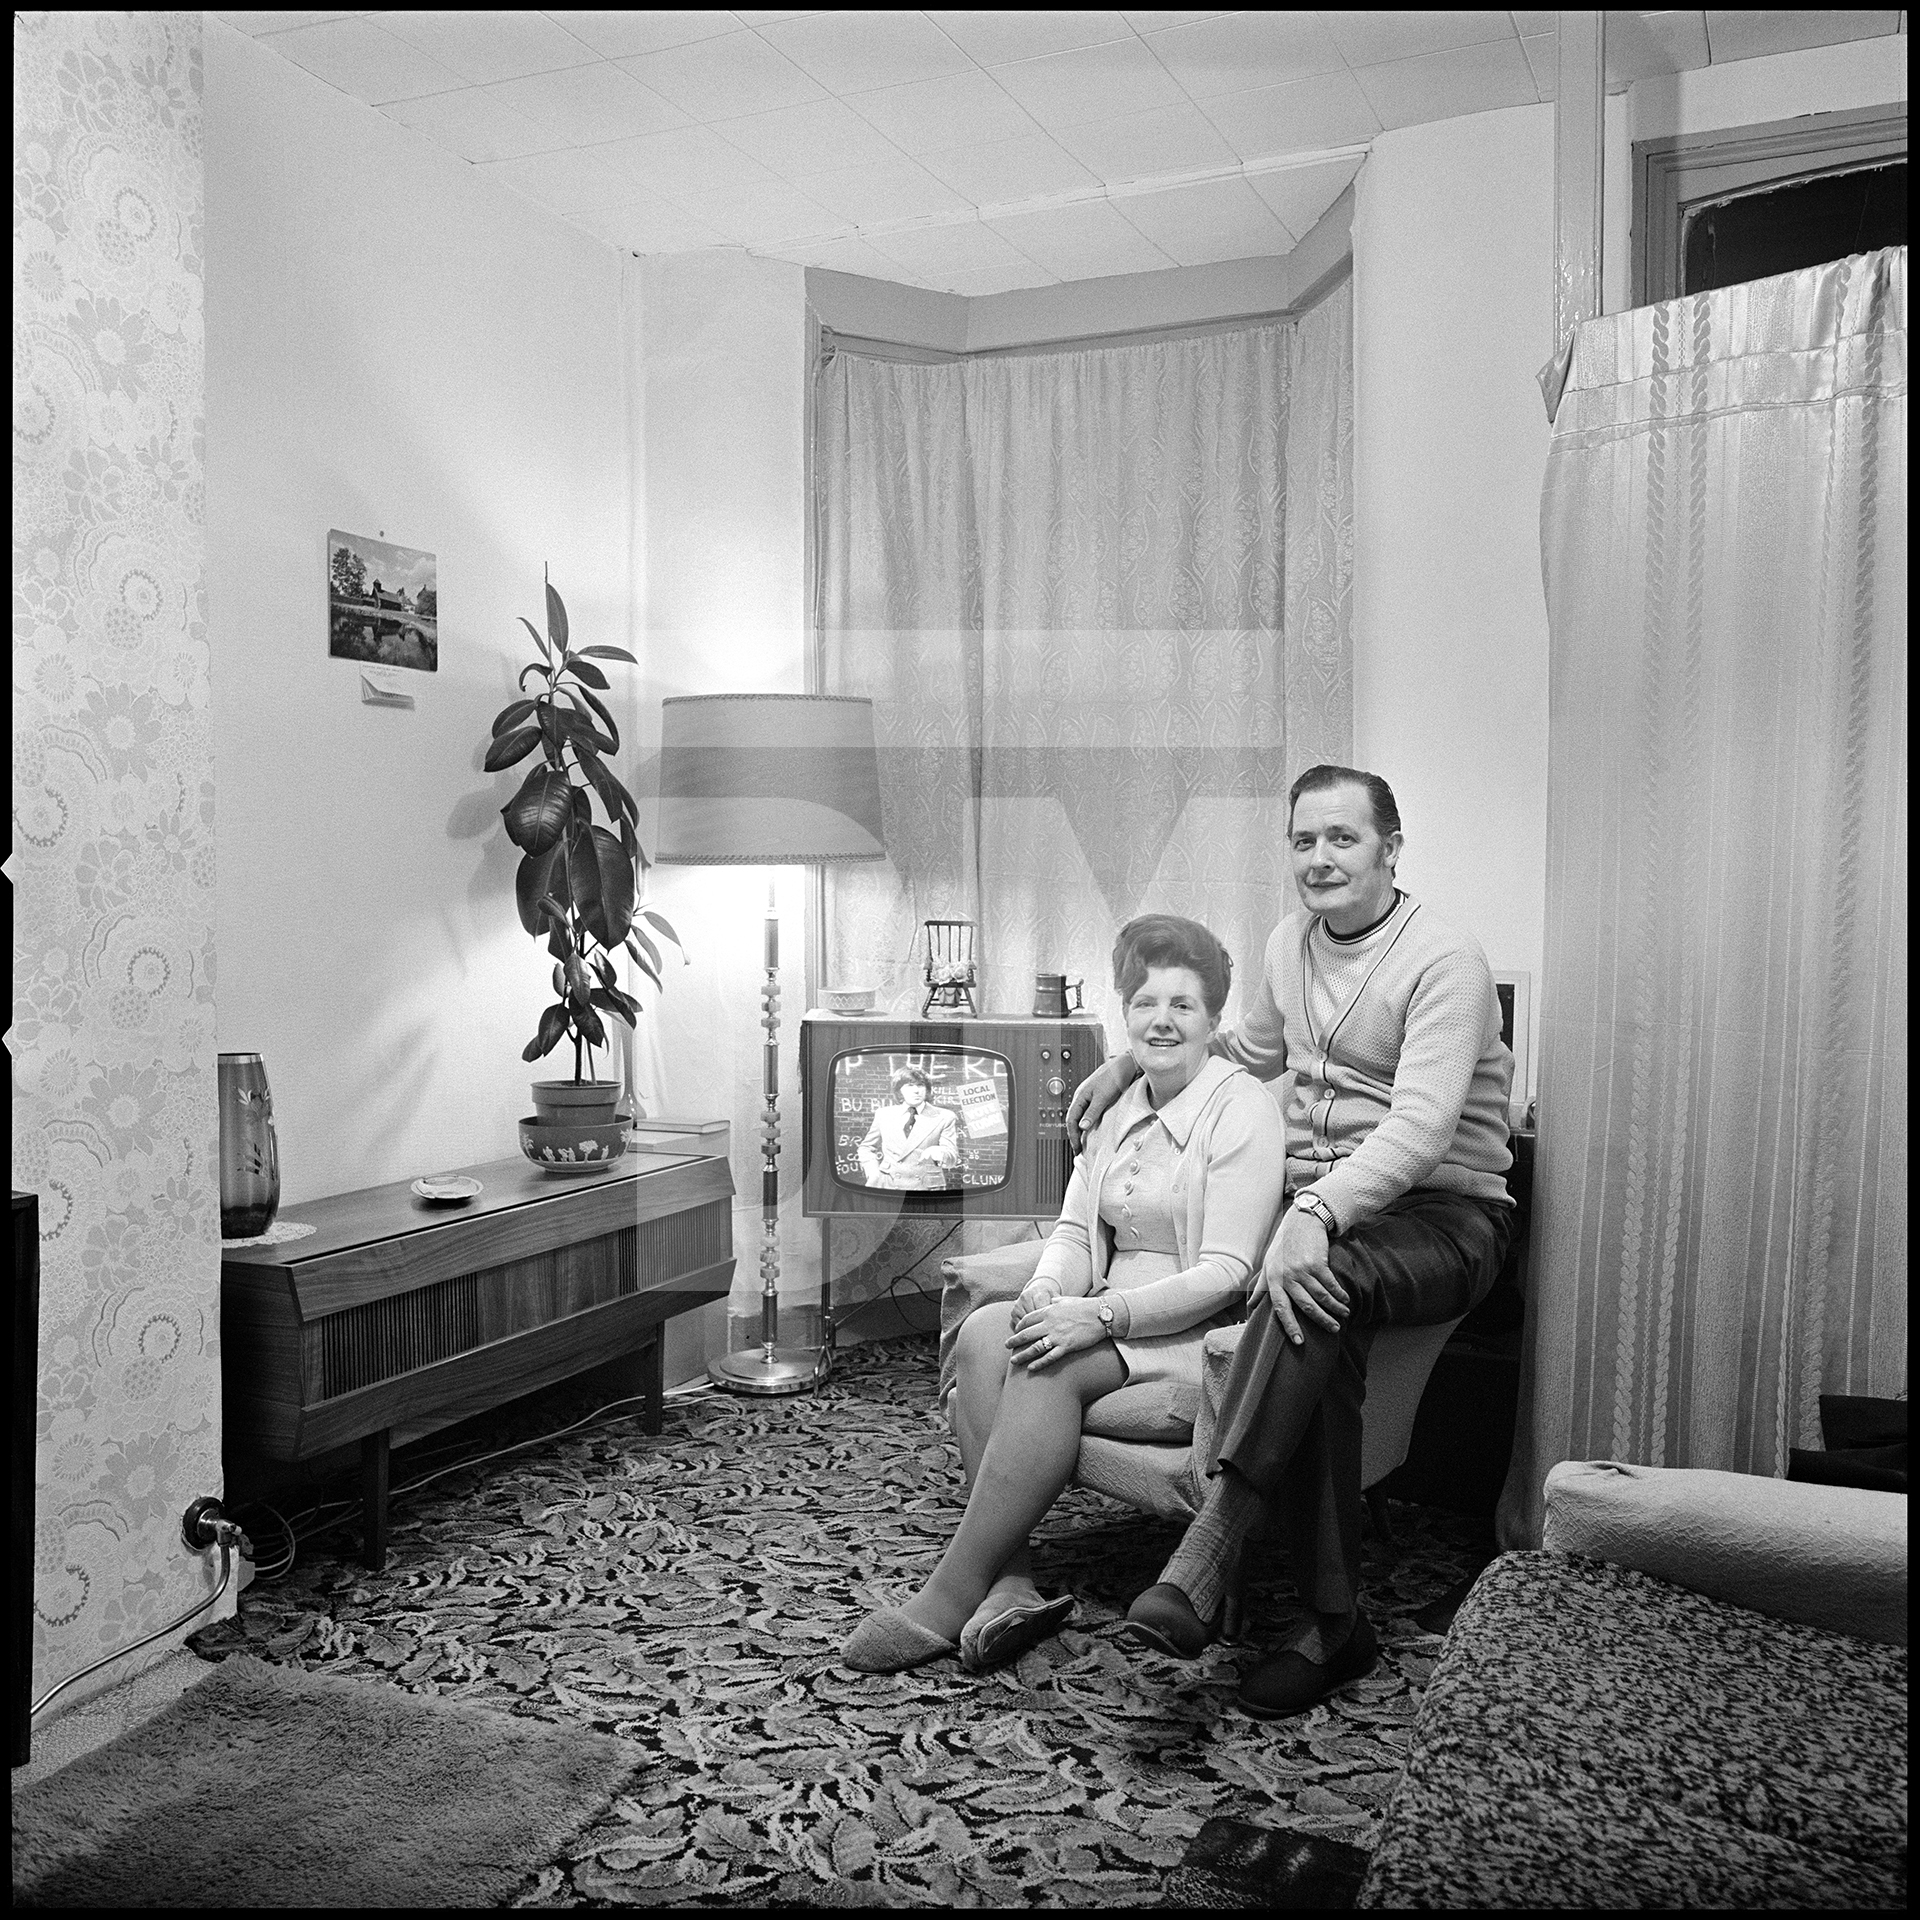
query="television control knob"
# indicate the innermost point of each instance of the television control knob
(1055, 1085)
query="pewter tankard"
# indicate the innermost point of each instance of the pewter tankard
(1050, 996)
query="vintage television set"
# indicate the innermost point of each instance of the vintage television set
(988, 1138)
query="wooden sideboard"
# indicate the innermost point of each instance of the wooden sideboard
(397, 1317)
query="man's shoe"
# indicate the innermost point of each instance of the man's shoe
(1163, 1618)
(1291, 1683)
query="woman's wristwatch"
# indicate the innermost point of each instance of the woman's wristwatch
(1107, 1325)
(1311, 1202)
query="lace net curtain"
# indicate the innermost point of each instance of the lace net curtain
(1100, 600)
(1721, 1191)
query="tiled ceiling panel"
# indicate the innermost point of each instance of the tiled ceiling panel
(970, 151)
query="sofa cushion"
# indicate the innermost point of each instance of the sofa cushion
(1595, 1737)
(1833, 1557)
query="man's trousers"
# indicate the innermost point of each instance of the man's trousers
(1290, 1416)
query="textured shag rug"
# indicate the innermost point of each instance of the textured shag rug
(267, 1786)
(690, 1592)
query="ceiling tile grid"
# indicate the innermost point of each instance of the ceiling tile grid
(967, 151)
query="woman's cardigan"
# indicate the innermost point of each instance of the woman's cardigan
(1227, 1187)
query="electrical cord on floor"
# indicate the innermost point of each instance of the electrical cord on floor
(891, 1294)
(301, 1529)
(285, 1563)
(228, 1537)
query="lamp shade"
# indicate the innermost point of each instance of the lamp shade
(767, 779)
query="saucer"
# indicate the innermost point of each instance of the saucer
(447, 1189)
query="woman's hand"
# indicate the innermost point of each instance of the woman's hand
(1095, 1094)
(1035, 1295)
(1297, 1278)
(1063, 1326)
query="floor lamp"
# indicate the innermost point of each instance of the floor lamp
(754, 780)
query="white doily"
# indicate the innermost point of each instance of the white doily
(276, 1235)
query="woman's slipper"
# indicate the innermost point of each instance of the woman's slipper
(891, 1641)
(1005, 1637)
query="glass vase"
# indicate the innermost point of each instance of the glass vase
(249, 1154)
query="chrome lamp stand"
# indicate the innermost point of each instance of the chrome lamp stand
(770, 779)
(771, 1368)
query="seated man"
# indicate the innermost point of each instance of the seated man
(912, 1143)
(1397, 1151)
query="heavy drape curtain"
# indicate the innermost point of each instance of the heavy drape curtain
(1100, 600)
(1720, 1195)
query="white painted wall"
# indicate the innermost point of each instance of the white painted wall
(1453, 245)
(394, 346)
(720, 348)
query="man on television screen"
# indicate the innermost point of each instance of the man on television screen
(911, 1143)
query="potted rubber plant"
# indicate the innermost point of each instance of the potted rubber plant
(578, 885)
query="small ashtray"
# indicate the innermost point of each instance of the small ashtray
(447, 1190)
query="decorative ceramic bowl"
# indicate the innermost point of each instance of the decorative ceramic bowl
(564, 1146)
(850, 999)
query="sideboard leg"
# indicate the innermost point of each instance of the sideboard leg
(653, 1359)
(373, 1500)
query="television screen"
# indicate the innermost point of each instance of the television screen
(925, 1120)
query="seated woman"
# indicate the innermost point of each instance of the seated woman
(1167, 1215)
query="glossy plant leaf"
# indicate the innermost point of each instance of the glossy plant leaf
(616, 1004)
(575, 727)
(652, 952)
(511, 716)
(641, 961)
(587, 1022)
(613, 796)
(553, 1027)
(556, 618)
(605, 718)
(534, 880)
(537, 815)
(602, 880)
(546, 652)
(511, 747)
(606, 653)
(587, 673)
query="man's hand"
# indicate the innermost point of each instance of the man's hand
(1298, 1280)
(1095, 1094)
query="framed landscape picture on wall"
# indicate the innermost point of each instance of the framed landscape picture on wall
(383, 603)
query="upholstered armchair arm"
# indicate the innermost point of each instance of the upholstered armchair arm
(970, 1280)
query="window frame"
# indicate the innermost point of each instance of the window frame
(1673, 175)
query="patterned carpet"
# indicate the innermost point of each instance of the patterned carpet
(690, 1592)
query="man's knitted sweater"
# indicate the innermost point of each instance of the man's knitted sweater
(1400, 1077)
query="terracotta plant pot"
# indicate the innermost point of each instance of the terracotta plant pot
(589, 1102)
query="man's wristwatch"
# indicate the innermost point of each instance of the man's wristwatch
(1313, 1204)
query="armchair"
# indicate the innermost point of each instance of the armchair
(1140, 1446)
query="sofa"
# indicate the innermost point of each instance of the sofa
(1694, 1695)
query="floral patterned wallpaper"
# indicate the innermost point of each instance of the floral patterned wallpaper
(114, 1117)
